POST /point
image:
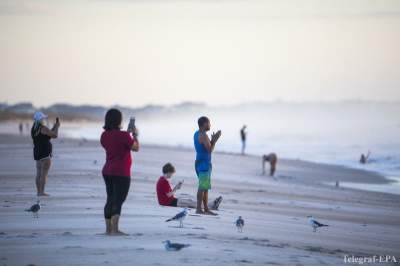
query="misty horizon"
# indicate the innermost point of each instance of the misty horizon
(223, 53)
(181, 103)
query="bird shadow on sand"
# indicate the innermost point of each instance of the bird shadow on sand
(177, 226)
(198, 228)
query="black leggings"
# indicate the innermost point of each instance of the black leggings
(117, 188)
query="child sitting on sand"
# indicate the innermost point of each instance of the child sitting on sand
(165, 193)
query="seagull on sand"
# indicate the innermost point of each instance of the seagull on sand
(314, 223)
(179, 217)
(239, 224)
(34, 209)
(174, 246)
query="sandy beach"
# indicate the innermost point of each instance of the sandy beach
(70, 226)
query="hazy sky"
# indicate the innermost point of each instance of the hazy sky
(221, 52)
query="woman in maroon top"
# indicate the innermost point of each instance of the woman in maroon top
(118, 145)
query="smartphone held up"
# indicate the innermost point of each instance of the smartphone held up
(132, 127)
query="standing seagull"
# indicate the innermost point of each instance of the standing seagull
(174, 246)
(314, 223)
(179, 217)
(240, 224)
(35, 209)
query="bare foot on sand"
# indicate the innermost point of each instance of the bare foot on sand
(199, 212)
(118, 233)
(208, 212)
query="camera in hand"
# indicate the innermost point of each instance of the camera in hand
(132, 126)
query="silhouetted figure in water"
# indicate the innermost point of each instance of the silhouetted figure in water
(243, 135)
(272, 158)
(364, 158)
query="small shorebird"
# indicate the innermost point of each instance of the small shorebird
(179, 217)
(314, 223)
(174, 246)
(239, 224)
(35, 208)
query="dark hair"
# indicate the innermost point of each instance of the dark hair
(113, 119)
(168, 168)
(202, 120)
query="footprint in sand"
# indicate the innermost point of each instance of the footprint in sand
(247, 239)
(322, 250)
(272, 263)
(243, 261)
(98, 253)
(202, 237)
(72, 247)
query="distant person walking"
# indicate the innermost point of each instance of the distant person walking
(42, 149)
(364, 158)
(21, 128)
(272, 158)
(204, 147)
(116, 172)
(243, 136)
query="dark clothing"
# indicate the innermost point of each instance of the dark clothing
(117, 188)
(42, 147)
(243, 135)
(174, 203)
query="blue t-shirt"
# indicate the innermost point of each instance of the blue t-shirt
(203, 157)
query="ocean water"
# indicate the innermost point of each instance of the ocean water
(329, 133)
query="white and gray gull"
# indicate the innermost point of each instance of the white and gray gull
(179, 217)
(174, 246)
(314, 223)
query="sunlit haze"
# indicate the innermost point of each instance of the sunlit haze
(223, 52)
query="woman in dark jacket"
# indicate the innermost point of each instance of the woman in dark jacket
(42, 149)
(116, 172)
